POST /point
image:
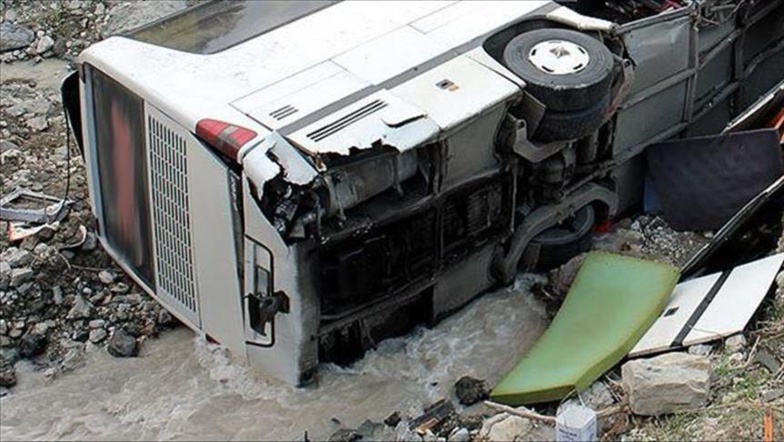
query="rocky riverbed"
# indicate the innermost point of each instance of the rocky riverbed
(64, 304)
(60, 294)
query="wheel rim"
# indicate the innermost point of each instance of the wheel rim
(559, 57)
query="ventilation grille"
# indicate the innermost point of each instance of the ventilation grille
(285, 111)
(336, 126)
(169, 175)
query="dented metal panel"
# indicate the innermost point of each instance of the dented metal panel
(659, 50)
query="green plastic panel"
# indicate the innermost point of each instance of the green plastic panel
(613, 301)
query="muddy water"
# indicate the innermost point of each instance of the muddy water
(184, 388)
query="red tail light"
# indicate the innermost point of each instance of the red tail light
(226, 138)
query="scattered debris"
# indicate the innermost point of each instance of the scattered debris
(440, 417)
(667, 383)
(38, 214)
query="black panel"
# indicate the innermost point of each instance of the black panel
(122, 172)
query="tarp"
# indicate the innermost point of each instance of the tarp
(613, 301)
(700, 183)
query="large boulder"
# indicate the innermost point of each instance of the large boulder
(667, 383)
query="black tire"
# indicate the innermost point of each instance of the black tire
(556, 126)
(566, 92)
(561, 243)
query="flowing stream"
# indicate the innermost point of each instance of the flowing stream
(183, 388)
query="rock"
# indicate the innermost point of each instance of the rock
(106, 277)
(9, 355)
(57, 295)
(14, 37)
(736, 359)
(120, 287)
(598, 396)
(5, 273)
(405, 434)
(7, 375)
(122, 345)
(470, 391)
(667, 383)
(32, 344)
(44, 44)
(3, 327)
(90, 242)
(393, 419)
(100, 9)
(165, 318)
(97, 335)
(504, 427)
(126, 16)
(81, 309)
(735, 343)
(80, 335)
(20, 276)
(73, 359)
(561, 278)
(768, 361)
(370, 430)
(37, 124)
(97, 323)
(345, 435)
(772, 395)
(134, 299)
(700, 349)
(459, 435)
(43, 250)
(17, 257)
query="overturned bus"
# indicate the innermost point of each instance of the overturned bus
(299, 180)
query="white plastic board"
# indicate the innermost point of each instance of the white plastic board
(687, 320)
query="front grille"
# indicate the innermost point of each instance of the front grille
(169, 181)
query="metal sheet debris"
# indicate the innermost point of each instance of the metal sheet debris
(39, 213)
